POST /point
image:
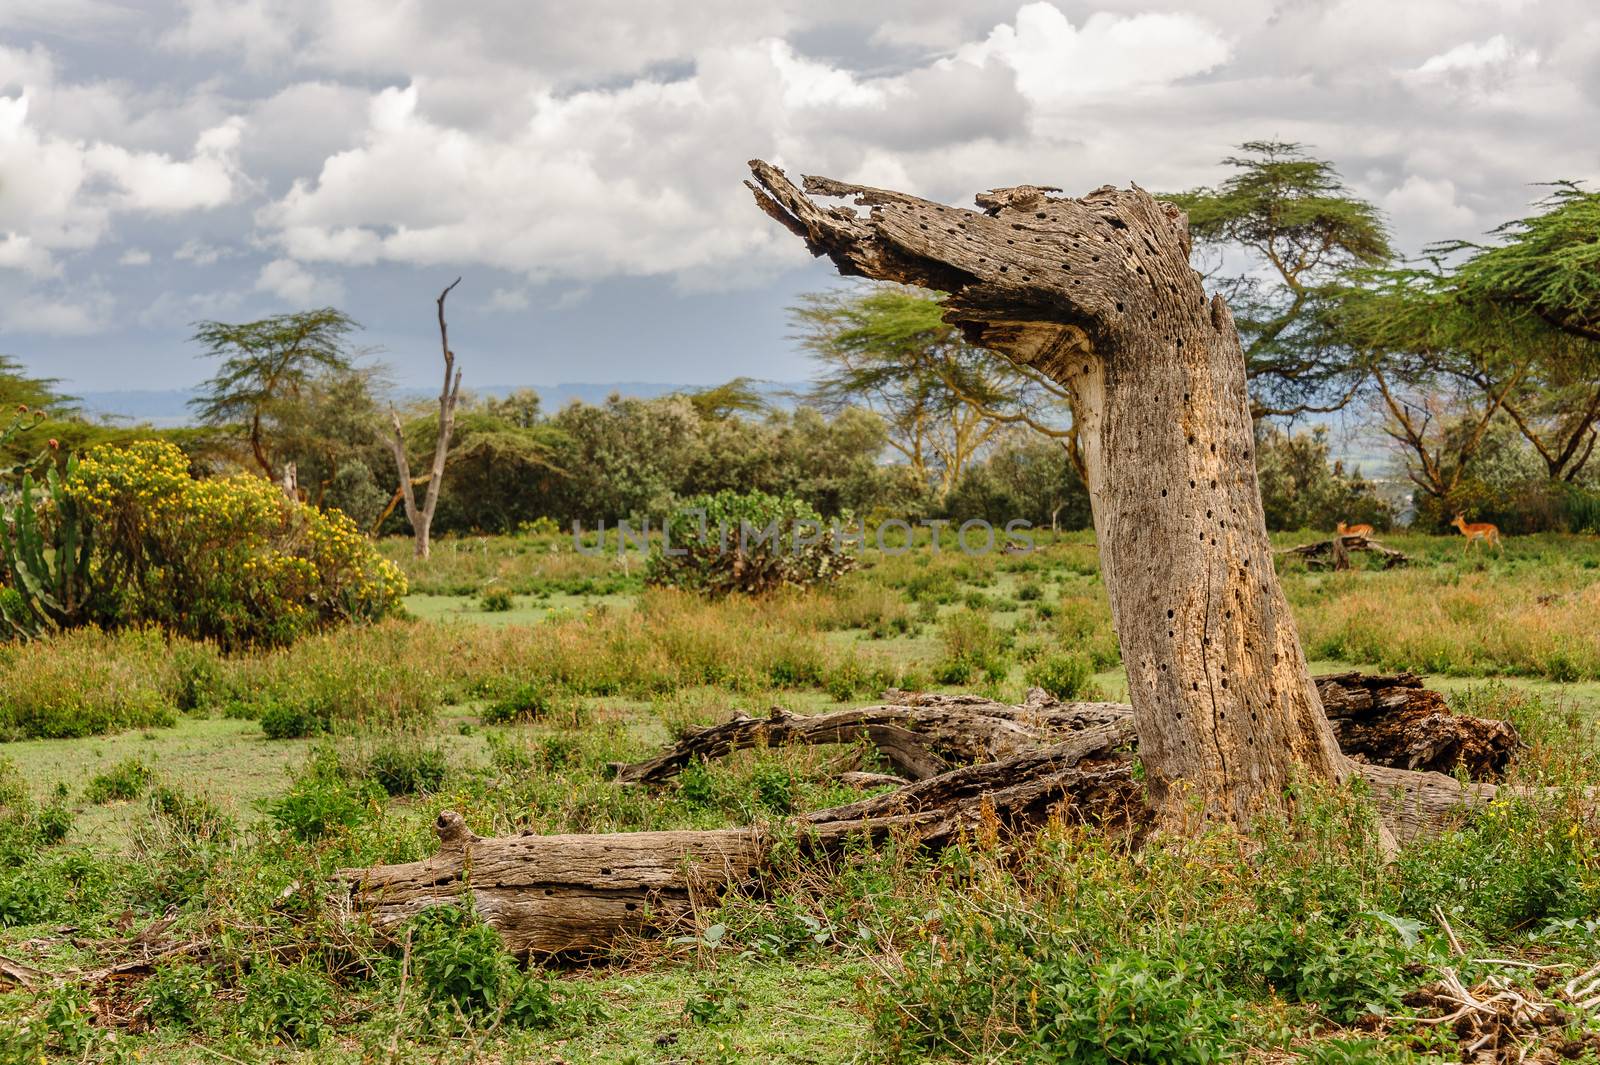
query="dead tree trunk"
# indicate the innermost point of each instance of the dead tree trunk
(421, 518)
(549, 894)
(1097, 294)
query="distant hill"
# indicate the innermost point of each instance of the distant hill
(162, 408)
(169, 407)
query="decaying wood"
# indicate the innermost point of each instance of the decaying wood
(1394, 721)
(144, 961)
(24, 976)
(1001, 764)
(917, 741)
(1097, 295)
(550, 894)
(1385, 719)
(1329, 552)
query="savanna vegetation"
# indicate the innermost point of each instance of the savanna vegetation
(232, 674)
(221, 790)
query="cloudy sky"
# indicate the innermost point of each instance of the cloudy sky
(579, 164)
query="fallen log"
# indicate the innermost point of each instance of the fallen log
(1335, 552)
(918, 739)
(1383, 719)
(580, 893)
(557, 894)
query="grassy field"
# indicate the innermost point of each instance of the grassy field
(139, 779)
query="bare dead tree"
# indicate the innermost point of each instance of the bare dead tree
(422, 519)
(1097, 294)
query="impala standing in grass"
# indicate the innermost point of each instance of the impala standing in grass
(1478, 530)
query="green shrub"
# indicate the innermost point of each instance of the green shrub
(496, 601)
(529, 700)
(289, 1003)
(1066, 676)
(1127, 1008)
(407, 768)
(190, 817)
(25, 826)
(177, 996)
(122, 782)
(464, 974)
(69, 1019)
(1121, 1006)
(753, 543)
(228, 559)
(458, 962)
(973, 646)
(25, 898)
(323, 799)
(714, 1001)
(289, 721)
(52, 822)
(696, 786)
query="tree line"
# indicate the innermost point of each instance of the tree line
(1478, 364)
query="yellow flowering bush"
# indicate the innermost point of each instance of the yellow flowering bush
(228, 559)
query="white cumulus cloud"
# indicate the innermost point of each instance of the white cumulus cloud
(293, 284)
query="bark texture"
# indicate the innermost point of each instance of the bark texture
(1394, 721)
(1098, 295)
(554, 894)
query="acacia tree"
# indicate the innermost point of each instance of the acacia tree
(1547, 263)
(1442, 369)
(730, 399)
(1294, 220)
(1097, 295)
(334, 427)
(267, 366)
(1542, 280)
(942, 398)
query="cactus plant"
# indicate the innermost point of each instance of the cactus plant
(45, 550)
(44, 545)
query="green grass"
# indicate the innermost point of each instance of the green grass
(526, 609)
(916, 959)
(801, 1012)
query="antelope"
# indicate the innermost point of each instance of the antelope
(1362, 530)
(1478, 530)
